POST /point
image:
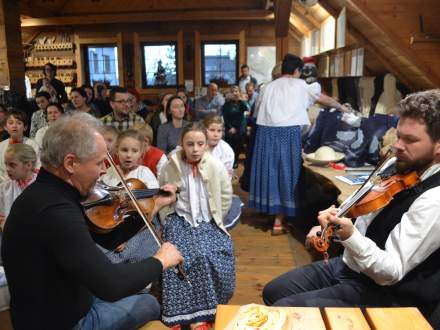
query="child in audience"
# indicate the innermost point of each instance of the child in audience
(38, 119)
(3, 114)
(16, 125)
(129, 149)
(153, 157)
(53, 112)
(110, 134)
(194, 223)
(223, 152)
(20, 160)
(218, 147)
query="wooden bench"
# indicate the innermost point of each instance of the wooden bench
(332, 318)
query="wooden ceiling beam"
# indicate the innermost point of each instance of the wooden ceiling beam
(298, 24)
(282, 14)
(30, 8)
(394, 39)
(203, 15)
(306, 16)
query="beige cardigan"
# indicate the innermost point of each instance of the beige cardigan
(215, 178)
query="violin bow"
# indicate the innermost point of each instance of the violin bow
(133, 199)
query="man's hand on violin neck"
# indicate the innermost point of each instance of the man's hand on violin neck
(168, 255)
(343, 227)
(324, 215)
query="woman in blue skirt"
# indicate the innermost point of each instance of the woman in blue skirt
(276, 161)
(195, 225)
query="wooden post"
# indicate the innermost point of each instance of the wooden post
(283, 9)
(11, 50)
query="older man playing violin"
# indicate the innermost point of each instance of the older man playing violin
(392, 255)
(57, 277)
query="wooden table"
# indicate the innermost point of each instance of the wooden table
(332, 318)
(331, 173)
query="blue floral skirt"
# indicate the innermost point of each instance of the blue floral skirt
(233, 216)
(210, 266)
(276, 166)
(140, 247)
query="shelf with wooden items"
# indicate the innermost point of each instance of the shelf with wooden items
(342, 62)
(55, 49)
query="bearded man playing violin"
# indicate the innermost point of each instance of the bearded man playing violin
(392, 255)
(57, 276)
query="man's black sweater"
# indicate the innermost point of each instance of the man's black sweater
(53, 266)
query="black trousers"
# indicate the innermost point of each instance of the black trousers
(326, 285)
(235, 141)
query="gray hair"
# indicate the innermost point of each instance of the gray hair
(71, 134)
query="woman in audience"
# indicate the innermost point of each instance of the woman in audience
(181, 92)
(78, 96)
(168, 134)
(195, 225)
(20, 161)
(101, 101)
(235, 124)
(53, 112)
(160, 115)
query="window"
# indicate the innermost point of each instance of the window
(328, 28)
(219, 62)
(261, 60)
(102, 64)
(159, 64)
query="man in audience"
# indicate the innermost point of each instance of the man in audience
(57, 276)
(245, 78)
(211, 103)
(122, 117)
(391, 257)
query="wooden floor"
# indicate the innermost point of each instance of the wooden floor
(260, 257)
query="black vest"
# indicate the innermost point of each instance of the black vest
(422, 284)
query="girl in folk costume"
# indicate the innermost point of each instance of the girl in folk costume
(53, 112)
(16, 125)
(223, 152)
(194, 223)
(153, 157)
(129, 150)
(20, 160)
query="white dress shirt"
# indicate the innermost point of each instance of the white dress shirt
(284, 102)
(410, 242)
(225, 154)
(192, 203)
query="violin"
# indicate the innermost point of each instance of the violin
(107, 207)
(108, 212)
(376, 193)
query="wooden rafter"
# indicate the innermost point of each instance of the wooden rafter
(306, 15)
(397, 42)
(282, 14)
(203, 15)
(298, 24)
